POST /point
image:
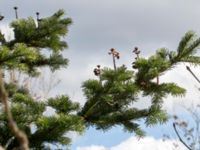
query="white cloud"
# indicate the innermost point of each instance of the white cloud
(140, 144)
(7, 31)
(184, 79)
(93, 147)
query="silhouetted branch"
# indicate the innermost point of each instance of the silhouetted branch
(180, 139)
(188, 68)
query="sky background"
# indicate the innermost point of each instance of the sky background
(120, 24)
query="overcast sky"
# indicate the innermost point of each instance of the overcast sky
(99, 25)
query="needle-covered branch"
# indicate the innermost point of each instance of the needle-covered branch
(110, 98)
(26, 53)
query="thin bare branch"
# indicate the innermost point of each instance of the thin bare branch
(188, 68)
(20, 135)
(180, 139)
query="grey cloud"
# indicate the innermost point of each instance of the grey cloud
(104, 24)
(132, 23)
(122, 24)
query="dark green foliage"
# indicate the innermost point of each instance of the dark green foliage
(111, 99)
(40, 128)
(63, 105)
(2, 38)
(47, 34)
(25, 53)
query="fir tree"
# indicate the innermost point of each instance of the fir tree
(25, 53)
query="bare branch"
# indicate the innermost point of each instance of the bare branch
(188, 68)
(180, 139)
(20, 135)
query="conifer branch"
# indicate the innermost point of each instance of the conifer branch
(20, 135)
(188, 37)
(120, 87)
(24, 54)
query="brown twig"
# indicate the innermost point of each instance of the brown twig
(157, 80)
(16, 14)
(188, 68)
(114, 54)
(179, 137)
(20, 135)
